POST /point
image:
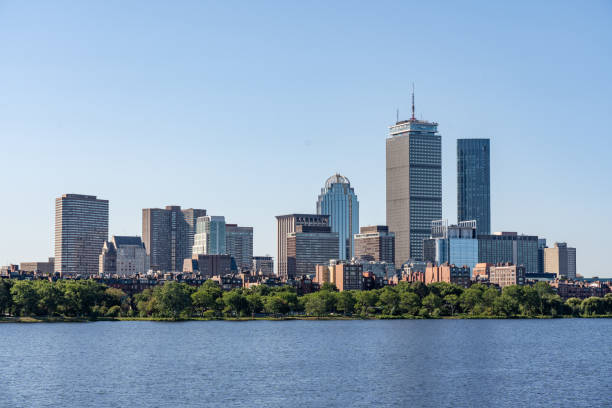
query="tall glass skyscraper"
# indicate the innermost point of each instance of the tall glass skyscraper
(414, 185)
(474, 183)
(339, 201)
(209, 238)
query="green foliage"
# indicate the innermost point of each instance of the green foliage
(25, 298)
(172, 299)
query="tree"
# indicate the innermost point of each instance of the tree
(574, 305)
(235, 303)
(329, 287)
(205, 298)
(254, 303)
(365, 300)
(275, 305)
(315, 305)
(592, 306)
(5, 296)
(345, 302)
(451, 301)
(173, 299)
(50, 296)
(470, 298)
(389, 300)
(410, 303)
(505, 305)
(25, 298)
(432, 302)
(531, 302)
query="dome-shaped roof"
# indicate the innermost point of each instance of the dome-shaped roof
(336, 179)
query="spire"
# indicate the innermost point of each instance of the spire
(412, 118)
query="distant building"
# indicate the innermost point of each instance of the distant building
(124, 256)
(455, 244)
(581, 290)
(81, 227)
(560, 260)
(474, 183)
(309, 246)
(509, 247)
(287, 224)
(239, 245)
(39, 267)
(414, 184)
(345, 275)
(339, 201)
(208, 265)
(263, 265)
(168, 236)
(459, 275)
(379, 268)
(481, 271)
(541, 247)
(507, 275)
(210, 236)
(375, 243)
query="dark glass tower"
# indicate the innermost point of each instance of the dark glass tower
(474, 183)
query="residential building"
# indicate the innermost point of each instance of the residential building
(414, 184)
(124, 256)
(263, 265)
(375, 243)
(580, 289)
(39, 267)
(339, 201)
(560, 260)
(455, 244)
(459, 275)
(81, 227)
(481, 271)
(474, 183)
(309, 246)
(239, 245)
(167, 234)
(287, 224)
(210, 236)
(208, 265)
(379, 268)
(345, 275)
(504, 275)
(509, 247)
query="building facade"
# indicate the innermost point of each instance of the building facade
(375, 243)
(210, 236)
(507, 275)
(339, 201)
(541, 247)
(263, 265)
(509, 247)
(39, 267)
(208, 265)
(287, 224)
(307, 247)
(345, 275)
(167, 234)
(560, 260)
(239, 245)
(414, 185)
(459, 275)
(81, 227)
(124, 256)
(474, 183)
(455, 244)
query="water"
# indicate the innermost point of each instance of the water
(437, 363)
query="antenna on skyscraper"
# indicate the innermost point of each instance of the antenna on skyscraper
(397, 116)
(412, 102)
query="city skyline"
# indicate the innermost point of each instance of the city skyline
(147, 112)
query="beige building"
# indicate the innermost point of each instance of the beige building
(507, 275)
(560, 260)
(123, 256)
(345, 275)
(38, 267)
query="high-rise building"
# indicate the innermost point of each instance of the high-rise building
(208, 265)
(339, 201)
(414, 184)
(375, 243)
(124, 256)
(168, 236)
(287, 224)
(239, 245)
(209, 238)
(474, 183)
(263, 265)
(509, 247)
(560, 260)
(309, 246)
(81, 227)
(541, 247)
(455, 244)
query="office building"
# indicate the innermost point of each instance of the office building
(124, 256)
(307, 247)
(474, 183)
(263, 265)
(339, 201)
(209, 238)
(345, 275)
(560, 260)
(459, 275)
(509, 247)
(287, 224)
(375, 243)
(380, 269)
(167, 234)
(455, 244)
(81, 227)
(39, 267)
(208, 265)
(239, 245)
(541, 247)
(507, 275)
(414, 184)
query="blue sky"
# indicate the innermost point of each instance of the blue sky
(245, 108)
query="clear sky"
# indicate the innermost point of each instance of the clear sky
(245, 108)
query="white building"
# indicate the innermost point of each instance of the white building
(124, 256)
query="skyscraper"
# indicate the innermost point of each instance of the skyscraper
(474, 183)
(509, 247)
(239, 244)
(168, 236)
(338, 200)
(309, 246)
(209, 238)
(560, 260)
(81, 227)
(414, 184)
(454, 244)
(375, 243)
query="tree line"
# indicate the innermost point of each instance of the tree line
(87, 298)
